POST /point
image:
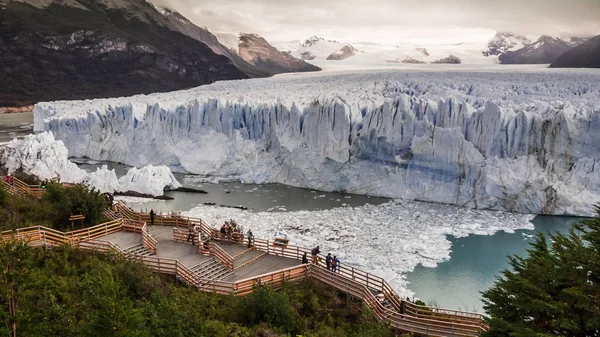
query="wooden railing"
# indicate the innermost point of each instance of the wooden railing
(404, 322)
(222, 256)
(18, 186)
(274, 279)
(147, 240)
(358, 283)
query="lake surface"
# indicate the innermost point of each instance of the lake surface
(15, 125)
(475, 263)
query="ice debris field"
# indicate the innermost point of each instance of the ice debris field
(388, 240)
(519, 141)
(46, 158)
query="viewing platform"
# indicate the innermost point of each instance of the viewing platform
(230, 266)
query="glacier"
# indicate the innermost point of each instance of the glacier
(524, 141)
(46, 158)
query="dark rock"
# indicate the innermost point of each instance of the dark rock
(448, 60)
(142, 195)
(190, 190)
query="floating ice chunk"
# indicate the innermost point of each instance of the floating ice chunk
(148, 180)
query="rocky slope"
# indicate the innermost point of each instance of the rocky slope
(343, 53)
(74, 49)
(257, 51)
(586, 55)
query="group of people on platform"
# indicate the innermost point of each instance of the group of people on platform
(227, 230)
(332, 262)
(109, 198)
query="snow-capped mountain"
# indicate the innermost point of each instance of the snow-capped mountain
(68, 49)
(585, 55)
(545, 50)
(318, 48)
(255, 50)
(505, 41)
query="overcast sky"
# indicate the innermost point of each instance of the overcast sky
(392, 21)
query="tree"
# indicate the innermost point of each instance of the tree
(555, 291)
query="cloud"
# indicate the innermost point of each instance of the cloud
(392, 21)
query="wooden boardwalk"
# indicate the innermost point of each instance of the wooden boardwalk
(234, 269)
(258, 263)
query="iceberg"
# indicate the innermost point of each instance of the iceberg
(43, 156)
(148, 180)
(517, 141)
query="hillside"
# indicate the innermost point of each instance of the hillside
(77, 49)
(586, 55)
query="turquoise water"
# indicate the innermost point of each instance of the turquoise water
(475, 263)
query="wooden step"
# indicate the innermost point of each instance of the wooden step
(211, 270)
(138, 249)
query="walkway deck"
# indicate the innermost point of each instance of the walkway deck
(189, 256)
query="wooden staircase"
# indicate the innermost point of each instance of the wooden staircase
(211, 269)
(138, 250)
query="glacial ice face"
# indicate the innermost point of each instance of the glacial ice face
(46, 158)
(523, 142)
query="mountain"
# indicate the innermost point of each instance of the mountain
(317, 48)
(75, 49)
(181, 24)
(255, 50)
(503, 42)
(343, 53)
(545, 50)
(586, 55)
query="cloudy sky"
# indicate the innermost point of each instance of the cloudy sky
(392, 21)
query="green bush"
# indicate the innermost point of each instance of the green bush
(266, 306)
(79, 199)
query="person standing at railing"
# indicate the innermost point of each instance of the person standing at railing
(328, 261)
(152, 216)
(315, 252)
(250, 239)
(223, 233)
(304, 258)
(335, 264)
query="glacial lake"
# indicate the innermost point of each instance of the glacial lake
(475, 261)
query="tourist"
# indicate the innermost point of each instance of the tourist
(328, 261)
(9, 179)
(152, 216)
(190, 233)
(250, 238)
(315, 251)
(223, 232)
(335, 264)
(229, 231)
(304, 258)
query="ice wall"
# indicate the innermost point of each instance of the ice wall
(518, 142)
